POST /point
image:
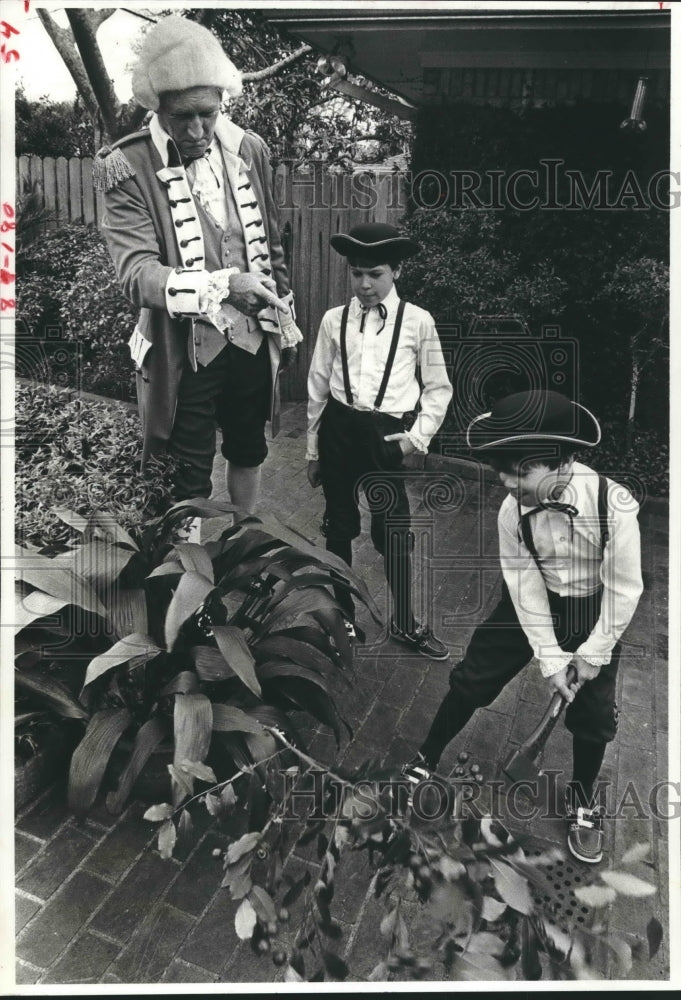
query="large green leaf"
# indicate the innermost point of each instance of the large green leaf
(58, 580)
(309, 698)
(230, 552)
(172, 568)
(194, 557)
(194, 508)
(305, 581)
(102, 524)
(300, 602)
(332, 622)
(101, 564)
(128, 611)
(50, 691)
(512, 887)
(628, 885)
(284, 668)
(150, 734)
(186, 682)
(304, 653)
(192, 591)
(319, 557)
(134, 647)
(229, 718)
(92, 754)
(192, 728)
(75, 521)
(309, 634)
(30, 607)
(231, 642)
(210, 664)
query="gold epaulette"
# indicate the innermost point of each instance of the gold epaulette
(111, 166)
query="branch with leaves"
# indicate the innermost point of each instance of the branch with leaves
(452, 894)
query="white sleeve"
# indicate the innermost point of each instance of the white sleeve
(528, 592)
(620, 575)
(437, 389)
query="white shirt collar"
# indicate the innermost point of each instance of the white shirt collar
(228, 135)
(391, 302)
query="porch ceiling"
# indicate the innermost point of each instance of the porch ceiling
(395, 46)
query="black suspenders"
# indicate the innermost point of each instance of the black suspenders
(526, 527)
(389, 361)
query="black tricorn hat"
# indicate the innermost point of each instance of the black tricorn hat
(374, 241)
(533, 417)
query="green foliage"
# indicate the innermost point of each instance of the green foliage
(453, 895)
(598, 274)
(66, 282)
(468, 268)
(84, 456)
(645, 457)
(52, 128)
(175, 644)
(297, 116)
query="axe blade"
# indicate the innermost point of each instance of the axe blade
(520, 766)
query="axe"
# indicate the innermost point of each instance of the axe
(521, 764)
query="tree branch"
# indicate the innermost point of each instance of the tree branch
(63, 43)
(84, 26)
(276, 68)
(97, 17)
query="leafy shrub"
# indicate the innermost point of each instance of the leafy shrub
(644, 460)
(194, 646)
(81, 455)
(66, 280)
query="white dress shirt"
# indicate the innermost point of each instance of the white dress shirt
(571, 564)
(419, 345)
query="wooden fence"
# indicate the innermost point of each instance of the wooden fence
(313, 206)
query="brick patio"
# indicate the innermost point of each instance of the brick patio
(96, 904)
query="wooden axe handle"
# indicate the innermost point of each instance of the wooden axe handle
(536, 741)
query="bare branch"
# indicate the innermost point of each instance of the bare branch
(99, 16)
(276, 68)
(63, 43)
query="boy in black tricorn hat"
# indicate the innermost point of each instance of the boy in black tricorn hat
(363, 396)
(570, 555)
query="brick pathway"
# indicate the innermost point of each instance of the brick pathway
(96, 904)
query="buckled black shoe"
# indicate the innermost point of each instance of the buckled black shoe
(585, 832)
(422, 640)
(415, 771)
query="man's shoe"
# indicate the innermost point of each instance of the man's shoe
(585, 833)
(415, 771)
(421, 640)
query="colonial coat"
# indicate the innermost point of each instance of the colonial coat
(144, 230)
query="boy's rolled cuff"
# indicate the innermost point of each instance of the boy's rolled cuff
(419, 444)
(596, 658)
(554, 660)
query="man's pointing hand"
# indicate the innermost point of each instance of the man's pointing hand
(249, 294)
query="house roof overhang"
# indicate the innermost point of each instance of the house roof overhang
(396, 46)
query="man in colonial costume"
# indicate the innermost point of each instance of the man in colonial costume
(192, 228)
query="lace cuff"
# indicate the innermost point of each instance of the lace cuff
(215, 292)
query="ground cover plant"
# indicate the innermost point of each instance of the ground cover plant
(73, 321)
(192, 647)
(82, 455)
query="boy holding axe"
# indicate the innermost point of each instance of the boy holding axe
(569, 547)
